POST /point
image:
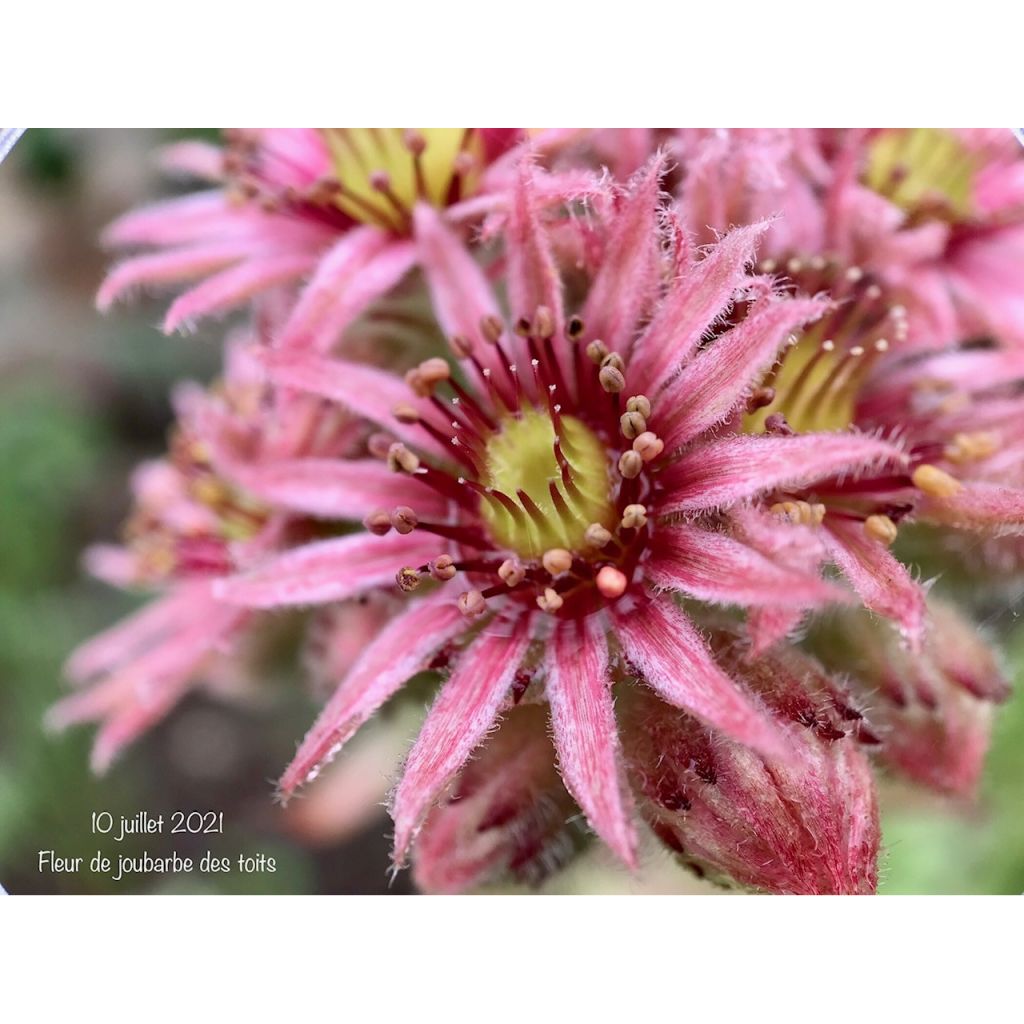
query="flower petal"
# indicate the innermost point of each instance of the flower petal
(362, 389)
(458, 720)
(328, 570)
(628, 276)
(675, 661)
(333, 488)
(715, 567)
(883, 583)
(403, 648)
(700, 295)
(231, 287)
(984, 507)
(725, 471)
(586, 736)
(718, 378)
(361, 267)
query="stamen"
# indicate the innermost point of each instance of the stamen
(403, 519)
(611, 582)
(442, 568)
(802, 513)
(612, 379)
(631, 464)
(632, 425)
(550, 600)
(880, 528)
(634, 517)
(557, 561)
(472, 604)
(648, 446)
(407, 578)
(935, 482)
(511, 572)
(378, 522)
(597, 536)
(640, 404)
(400, 459)
(973, 446)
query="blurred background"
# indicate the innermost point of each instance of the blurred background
(82, 399)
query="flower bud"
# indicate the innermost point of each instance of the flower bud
(806, 825)
(508, 815)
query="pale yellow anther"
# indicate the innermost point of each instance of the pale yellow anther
(405, 413)
(596, 351)
(880, 528)
(596, 536)
(543, 323)
(492, 328)
(614, 359)
(400, 459)
(611, 379)
(969, 447)
(403, 519)
(550, 600)
(433, 371)
(935, 482)
(639, 404)
(632, 425)
(800, 512)
(511, 572)
(472, 604)
(634, 517)
(648, 445)
(557, 561)
(442, 568)
(630, 464)
(407, 578)
(378, 522)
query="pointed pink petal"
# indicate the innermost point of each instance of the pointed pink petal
(882, 582)
(168, 267)
(676, 662)
(458, 720)
(586, 737)
(715, 567)
(194, 158)
(172, 221)
(533, 278)
(133, 635)
(359, 269)
(628, 277)
(328, 570)
(767, 626)
(333, 488)
(695, 301)
(399, 651)
(723, 472)
(229, 288)
(984, 507)
(459, 290)
(113, 565)
(721, 376)
(364, 390)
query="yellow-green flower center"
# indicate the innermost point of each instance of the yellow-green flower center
(922, 170)
(521, 459)
(383, 172)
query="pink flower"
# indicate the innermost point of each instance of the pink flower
(292, 203)
(954, 413)
(585, 462)
(193, 522)
(805, 825)
(932, 711)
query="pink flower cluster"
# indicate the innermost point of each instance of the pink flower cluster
(616, 436)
